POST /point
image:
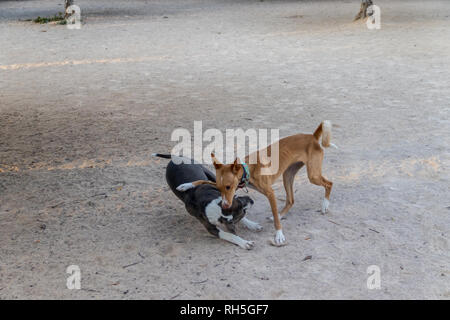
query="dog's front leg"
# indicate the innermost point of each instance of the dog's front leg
(253, 226)
(190, 185)
(279, 239)
(227, 236)
(244, 244)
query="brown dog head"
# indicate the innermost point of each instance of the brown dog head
(227, 179)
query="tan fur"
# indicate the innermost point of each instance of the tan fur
(227, 175)
(294, 152)
(326, 133)
(324, 130)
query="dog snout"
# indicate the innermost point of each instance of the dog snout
(225, 204)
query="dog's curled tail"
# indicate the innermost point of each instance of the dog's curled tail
(165, 156)
(324, 130)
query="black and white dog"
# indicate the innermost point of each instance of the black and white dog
(204, 201)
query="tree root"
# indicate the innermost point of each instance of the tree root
(362, 14)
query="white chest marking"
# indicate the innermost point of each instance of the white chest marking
(214, 212)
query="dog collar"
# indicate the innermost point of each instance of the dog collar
(245, 176)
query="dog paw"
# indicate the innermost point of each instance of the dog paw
(279, 239)
(325, 205)
(248, 245)
(185, 186)
(257, 227)
(250, 225)
(254, 227)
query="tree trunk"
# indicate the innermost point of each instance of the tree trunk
(67, 4)
(363, 11)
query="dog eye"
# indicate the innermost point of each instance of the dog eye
(228, 187)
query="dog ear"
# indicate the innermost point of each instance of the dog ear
(216, 162)
(236, 165)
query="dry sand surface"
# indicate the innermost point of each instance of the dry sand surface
(81, 111)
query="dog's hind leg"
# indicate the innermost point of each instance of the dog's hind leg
(326, 201)
(314, 168)
(288, 181)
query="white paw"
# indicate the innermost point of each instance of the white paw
(325, 204)
(185, 186)
(253, 226)
(279, 239)
(248, 245)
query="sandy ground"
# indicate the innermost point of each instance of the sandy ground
(82, 110)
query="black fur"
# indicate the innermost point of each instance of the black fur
(198, 198)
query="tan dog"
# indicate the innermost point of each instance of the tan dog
(294, 152)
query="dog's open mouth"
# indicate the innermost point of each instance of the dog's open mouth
(228, 209)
